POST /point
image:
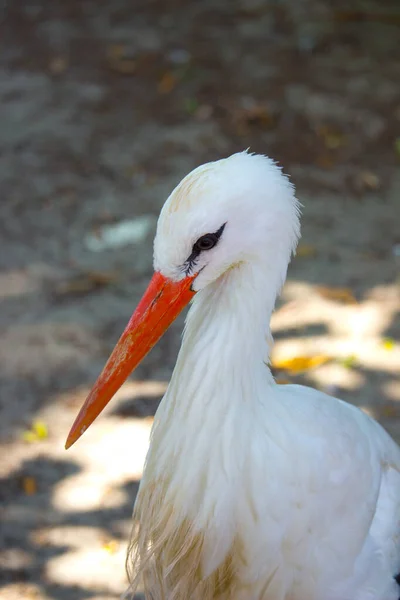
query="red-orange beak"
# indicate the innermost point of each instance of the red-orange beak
(160, 305)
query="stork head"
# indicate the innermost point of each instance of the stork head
(239, 209)
(236, 210)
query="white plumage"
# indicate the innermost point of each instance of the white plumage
(254, 491)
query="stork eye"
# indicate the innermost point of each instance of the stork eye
(206, 242)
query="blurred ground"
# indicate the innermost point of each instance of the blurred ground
(104, 106)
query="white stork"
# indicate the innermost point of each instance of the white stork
(251, 490)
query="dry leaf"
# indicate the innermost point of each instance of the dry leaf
(306, 251)
(389, 411)
(111, 547)
(254, 114)
(167, 83)
(40, 428)
(258, 115)
(349, 361)
(29, 485)
(36, 433)
(119, 61)
(298, 364)
(85, 283)
(332, 138)
(371, 180)
(127, 66)
(388, 344)
(58, 64)
(366, 181)
(338, 294)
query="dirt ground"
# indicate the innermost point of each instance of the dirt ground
(104, 106)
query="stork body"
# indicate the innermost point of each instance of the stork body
(251, 490)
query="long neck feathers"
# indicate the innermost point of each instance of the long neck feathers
(215, 396)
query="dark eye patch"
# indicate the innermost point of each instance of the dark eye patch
(204, 243)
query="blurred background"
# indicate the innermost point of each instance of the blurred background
(104, 106)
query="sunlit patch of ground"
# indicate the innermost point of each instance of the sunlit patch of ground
(350, 336)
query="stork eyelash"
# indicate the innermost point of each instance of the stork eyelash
(204, 243)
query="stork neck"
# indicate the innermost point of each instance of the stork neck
(223, 363)
(228, 327)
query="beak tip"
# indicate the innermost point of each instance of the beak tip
(80, 425)
(73, 436)
(69, 442)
